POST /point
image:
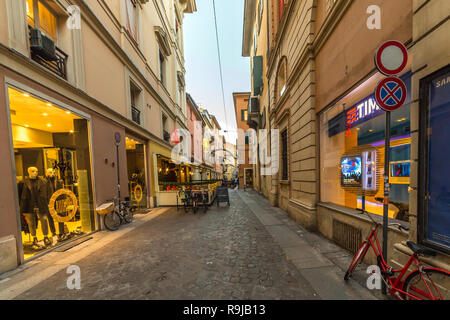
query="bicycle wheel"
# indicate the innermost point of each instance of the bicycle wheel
(356, 259)
(112, 220)
(435, 284)
(128, 215)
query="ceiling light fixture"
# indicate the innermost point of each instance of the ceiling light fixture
(49, 104)
(68, 112)
(49, 125)
(26, 126)
(26, 95)
(45, 114)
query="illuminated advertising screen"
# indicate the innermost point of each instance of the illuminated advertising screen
(351, 171)
(400, 170)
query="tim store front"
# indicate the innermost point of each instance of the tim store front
(352, 163)
(352, 157)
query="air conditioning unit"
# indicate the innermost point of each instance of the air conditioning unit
(254, 117)
(42, 45)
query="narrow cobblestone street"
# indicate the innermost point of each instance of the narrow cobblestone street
(226, 253)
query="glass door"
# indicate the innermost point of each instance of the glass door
(434, 185)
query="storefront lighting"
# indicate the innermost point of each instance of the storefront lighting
(45, 114)
(71, 131)
(370, 130)
(26, 126)
(49, 125)
(402, 119)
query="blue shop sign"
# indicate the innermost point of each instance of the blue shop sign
(362, 111)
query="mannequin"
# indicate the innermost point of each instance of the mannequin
(54, 184)
(33, 204)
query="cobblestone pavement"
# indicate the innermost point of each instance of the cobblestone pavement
(225, 253)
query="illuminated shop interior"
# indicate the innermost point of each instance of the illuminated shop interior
(344, 136)
(51, 139)
(137, 181)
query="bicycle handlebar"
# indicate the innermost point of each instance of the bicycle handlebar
(399, 226)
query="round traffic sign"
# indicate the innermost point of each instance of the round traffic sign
(117, 137)
(391, 58)
(390, 93)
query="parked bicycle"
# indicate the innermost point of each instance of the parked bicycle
(422, 283)
(121, 214)
(202, 199)
(194, 199)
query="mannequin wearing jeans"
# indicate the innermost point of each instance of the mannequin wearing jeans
(33, 203)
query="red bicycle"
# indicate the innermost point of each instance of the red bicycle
(422, 283)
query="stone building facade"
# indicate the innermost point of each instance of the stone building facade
(321, 78)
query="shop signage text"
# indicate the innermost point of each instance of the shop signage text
(363, 111)
(442, 82)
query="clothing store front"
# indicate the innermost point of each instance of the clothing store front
(137, 172)
(53, 171)
(352, 157)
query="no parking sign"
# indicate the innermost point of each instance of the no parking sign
(390, 93)
(390, 59)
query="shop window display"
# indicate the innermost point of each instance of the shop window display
(352, 158)
(53, 172)
(137, 182)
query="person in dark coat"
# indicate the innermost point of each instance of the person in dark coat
(33, 203)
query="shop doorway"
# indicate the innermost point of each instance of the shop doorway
(248, 177)
(137, 177)
(53, 172)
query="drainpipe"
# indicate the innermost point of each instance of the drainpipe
(275, 194)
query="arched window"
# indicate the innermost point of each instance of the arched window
(281, 78)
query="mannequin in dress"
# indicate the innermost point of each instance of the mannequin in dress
(33, 204)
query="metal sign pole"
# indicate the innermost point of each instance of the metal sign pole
(118, 171)
(387, 149)
(117, 139)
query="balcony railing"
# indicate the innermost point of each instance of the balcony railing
(57, 66)
(135, 115)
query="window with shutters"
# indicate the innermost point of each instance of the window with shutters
(162, 68)
(131, 13)
(257, 74)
